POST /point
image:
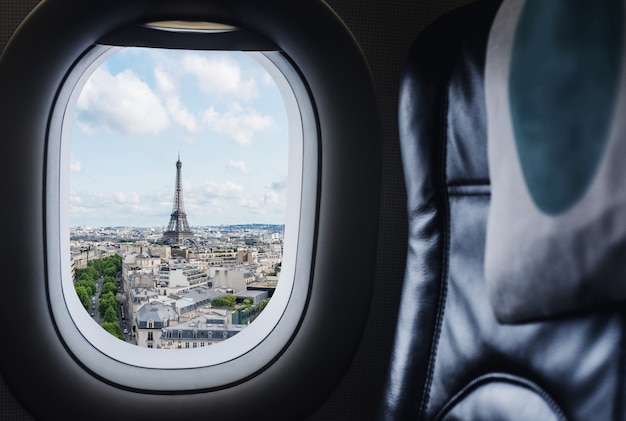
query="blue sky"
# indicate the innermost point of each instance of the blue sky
(220, 111)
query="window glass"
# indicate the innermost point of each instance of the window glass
(178, 173)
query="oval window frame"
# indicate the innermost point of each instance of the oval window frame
(221, 364)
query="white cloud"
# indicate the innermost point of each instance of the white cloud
(239, 124)
(164, 83)
(136, 208)
(228, 195)
(226, 189)
(181, 115)
(239, 166)
(219, 75)
(121, 103)
(271, 198)
(166, 88)
(75, 166)
(126, 198)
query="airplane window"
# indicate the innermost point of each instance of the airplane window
(325, 178)
(178, 173)
(180, 201)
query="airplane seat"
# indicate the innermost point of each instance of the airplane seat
(458, 355)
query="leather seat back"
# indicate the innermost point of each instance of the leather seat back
(452, 359)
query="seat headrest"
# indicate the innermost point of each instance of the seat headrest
(555, 91)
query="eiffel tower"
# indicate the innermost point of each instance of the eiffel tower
(178, 231)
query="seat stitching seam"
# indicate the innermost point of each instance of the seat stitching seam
(444, 261)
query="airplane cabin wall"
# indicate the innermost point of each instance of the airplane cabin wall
(385, 30)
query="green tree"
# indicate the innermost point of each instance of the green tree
(108, 287)
(97, 264)
(89, 273)
(107, 300)
(116, 260)
(110, 315)
(114, 329)
(83, 295)
(89, 285)
(110, 270)
(227, 300)
(108, 267)
(262, 305)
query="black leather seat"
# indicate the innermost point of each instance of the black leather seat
(452, 360)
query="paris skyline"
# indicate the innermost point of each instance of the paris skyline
(142, 108)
